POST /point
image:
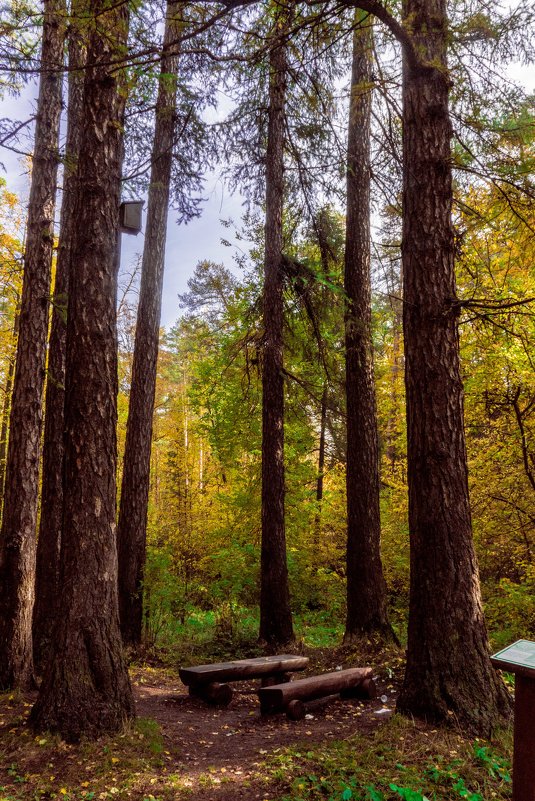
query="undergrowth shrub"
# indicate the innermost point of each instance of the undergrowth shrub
(510, 610)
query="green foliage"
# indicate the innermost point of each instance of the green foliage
(234, 575)
(150, 732)
(204, 515)
(497, 766)
(319, 629)
(497, 284)
(510, 609)
(227, 631)
(163, 597)
(407, 794)
(398, 761)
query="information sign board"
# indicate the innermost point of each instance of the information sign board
(520, 653)
(519, 658)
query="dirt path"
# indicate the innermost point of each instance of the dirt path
(180, 748)
(230, 744)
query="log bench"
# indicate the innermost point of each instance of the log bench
(209, 682)
(297, 696)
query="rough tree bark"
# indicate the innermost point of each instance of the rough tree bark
(86, 689)
(321, 467)
(275, 614)
(49, 541)
(396, 371)
(132, 528)
(366, 587)
(448, 669)
(19, 521)
(4, 429)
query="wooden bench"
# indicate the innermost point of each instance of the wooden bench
(292, 697)
(209, 681)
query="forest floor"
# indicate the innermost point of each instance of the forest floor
(180, 748)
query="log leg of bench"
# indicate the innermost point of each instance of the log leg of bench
(366, 690)
(213, 693)
(276, 678)
(296, 710)
(268, 708)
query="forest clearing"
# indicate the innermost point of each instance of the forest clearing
(268, 546)
(182, 748)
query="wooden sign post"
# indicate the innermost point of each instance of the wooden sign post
(519, 658)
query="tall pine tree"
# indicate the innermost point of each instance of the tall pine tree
(21, 494)
(366, 587)
(86, 689)
(132, 527)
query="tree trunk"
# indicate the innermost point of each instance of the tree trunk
(321, 470)
(86, 689)
(448, 668)
(366, 588)
(4, 430)
(19, 522)
(396, 410)
(49, 541)
(275, 615)
(132, 528)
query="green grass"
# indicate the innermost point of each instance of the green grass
(400, 760)
(43, 767)
(319, 630)
(231, 632)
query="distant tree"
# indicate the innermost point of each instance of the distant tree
(497, 292)
(315, 403)
(10, 287)
(448, 668)
(86, 689)
(21, 494)
(366, 587)
(275, 614)
(50, 522)
(276, 137)
(132, 526)
(6, 405)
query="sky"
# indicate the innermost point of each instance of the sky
(186, 244)
(199, 240)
